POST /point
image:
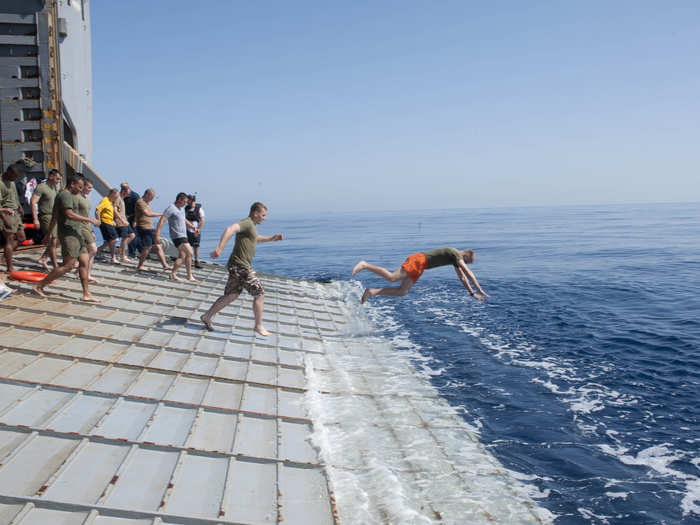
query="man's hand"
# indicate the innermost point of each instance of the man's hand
(215, 253)
(94, 222)
(36, 224)
(8, 211)
(277, 237)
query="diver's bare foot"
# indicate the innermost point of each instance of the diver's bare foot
(44, 265)
(174, 277)
(90, 299)
(192, 280)
(261, 331)
(167, 268)
(127, 260)
(39, 291)
(359, 267)
(366, 296)
(93, 280)
(207, 323)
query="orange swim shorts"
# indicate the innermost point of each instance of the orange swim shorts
(414, 265)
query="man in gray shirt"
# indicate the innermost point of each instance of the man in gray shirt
(175, 215)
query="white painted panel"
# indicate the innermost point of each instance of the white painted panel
(79, 375)
(26, 472)
(214, 431)
(224, 395)
(43, 370)
(11, 362)
(199, 487)
(291, 377)
(169, 361)
(127, 420)
(232, 369)
(37, 408)
(88, 474)
(292, 404)
(252, 492)
(9, 440)
(144, 481)
(201, 365)
(256, 437)
(188, 390)
(152, 384)
(263, 373)
(116, 380)
(82, 414)
(259, 399)
(170, 426)
(9, 393)
(304, 497)
(54, 517)
(295, 442)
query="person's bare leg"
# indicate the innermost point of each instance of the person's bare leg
(51, 248)
(161, 257)
(258, 303)
(113, 250)
(92, 250)
(123, 248)
(142, 257)
(177, 263)
(83, 262)
(56, 273)
(215, 308)
(10, 245)
(188, 263)
(380, 271)
(394, 291)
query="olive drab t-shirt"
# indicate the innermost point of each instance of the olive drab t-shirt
(442, 257)
(65, 200)
(246, 241)
(47, 194)
(8, 194)
(83, 209)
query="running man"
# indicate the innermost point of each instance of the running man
(68, 222)
(143, 217)
(175, 215)
(240, 272)
(41, 205)
(414, 266)
(11, 214)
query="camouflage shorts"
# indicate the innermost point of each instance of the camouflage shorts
(240, 278)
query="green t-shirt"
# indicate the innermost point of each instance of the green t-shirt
(65, 200)
(8, 194)
(442, 257)
(246, 241)
(47, 194)
(83, 208)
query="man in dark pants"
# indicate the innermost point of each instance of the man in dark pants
(195, 214)
(130, 197)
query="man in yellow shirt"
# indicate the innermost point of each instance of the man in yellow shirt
(105, 214)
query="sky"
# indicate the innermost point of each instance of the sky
(392, 105)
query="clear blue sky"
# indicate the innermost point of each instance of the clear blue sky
(366, 105)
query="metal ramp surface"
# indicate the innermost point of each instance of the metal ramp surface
(128, 412)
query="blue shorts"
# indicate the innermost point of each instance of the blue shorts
(179, 240)
(123, 231)
(148, 237)
(109, 232)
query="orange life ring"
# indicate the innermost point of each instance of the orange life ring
(27, 275)
(28, 242)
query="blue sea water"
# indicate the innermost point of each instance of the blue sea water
(581, 373)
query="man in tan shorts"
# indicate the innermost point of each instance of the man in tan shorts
(240, 272)
(11, 214)
(41, 204)
(68, 222)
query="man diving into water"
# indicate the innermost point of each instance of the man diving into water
(414, 266)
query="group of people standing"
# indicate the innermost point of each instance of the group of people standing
(63, 216)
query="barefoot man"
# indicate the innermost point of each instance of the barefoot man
(412, 268)
(41, 205)
(175, 215)
(143, 219)
(11, 223)
(71, 237)
(240, 272)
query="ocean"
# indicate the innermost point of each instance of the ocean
(581, 374)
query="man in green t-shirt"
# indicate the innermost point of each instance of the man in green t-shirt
(11, 214)
(71, 236)
(414, 266)
(240, 272)
(41, 205)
